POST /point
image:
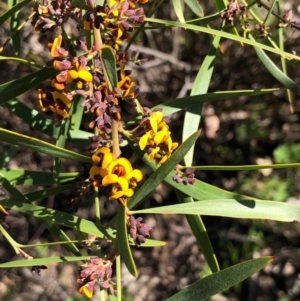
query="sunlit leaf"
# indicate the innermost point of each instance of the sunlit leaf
(28, 177)
(122, 238)
(40, 146)
(201, 235)
(276, 72)
(185, 103)
(108, 60)
(178, 10)
(201, 84)
(42, 261)
(195, 6)
(218, 282)
(252, 209)
(60, 218)
(215, 32)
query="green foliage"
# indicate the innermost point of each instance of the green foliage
(95, 80)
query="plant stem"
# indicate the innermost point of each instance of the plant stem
(12, 242)
(115, 138)
(97, 39)
(242, 167)
(118, 276)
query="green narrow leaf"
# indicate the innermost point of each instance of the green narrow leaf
(60, 218)
(175, 105)
(233, 37)
(44, 193)
(108, 60)
(218, 282)
(61, 236)
(80, 137)
(252, 209)
(200, 86)
(122, 238)
(53, 228)
(60, 142)
(50, 217)
(195, 6)
(76, 114)
(275, 71)
(12, 11)
(14, 24)
(40, 146)
(28, 177)
(284, 67)
(178, 10)
(199, 190)
(199, 230)
(150, 243)
(17, 87)
(34, 118)
(20, 61)
(41, 261)
(159, 175)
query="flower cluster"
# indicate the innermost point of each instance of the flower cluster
(186, 177)
(50, 14)
(86, 75)
(137, 230)
(115, 19)
(233, 9)
(71, 71)
(95, 271)
(117, 173)
(103, 104)
(154, 137)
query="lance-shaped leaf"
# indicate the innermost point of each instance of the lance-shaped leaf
(34, 118)
(201, 235)
(20, 203)
(200, 86)
(29, 177)
(52, 227)
(178, 10)
(44, 193)
(60, 218)
(17, 87)
(220, 281)
(13, 10)
(195, 6)
(108, 60)
(186, 103)
(275, 71)
(233, 37)
(160, 174)
(41, 261)
(123, 243)
(40, 146)
(252, 209)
